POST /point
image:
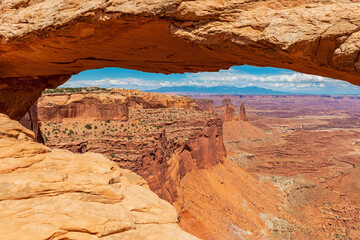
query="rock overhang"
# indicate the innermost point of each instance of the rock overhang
(44, 42)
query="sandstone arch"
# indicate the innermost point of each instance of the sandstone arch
(44, 42)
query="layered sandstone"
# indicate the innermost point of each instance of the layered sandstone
(55, 194)
(104, 105)
(228, 114)
(226, 102)
(91, 106)
(31, 121)
(161, 145)
(242, 114)
(206, 105)
(44, 42)
(307, 147)
(141, 100)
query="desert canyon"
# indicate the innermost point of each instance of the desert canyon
(126, 164)
(230, 171)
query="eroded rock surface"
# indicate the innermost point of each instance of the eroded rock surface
(205, 105)
(101, 106)
(31, 121)
(161, 144)
(44, 42)
(242, 115)
(228, 114)
(55, 194)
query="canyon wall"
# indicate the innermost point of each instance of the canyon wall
(55, 194)
(162, 145)
(204, 149)
(104, 105)
(160, 159)
(44, 42)
(31, 121)
(152, 100)
(100, 106)
(205, 105)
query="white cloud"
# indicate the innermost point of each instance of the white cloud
(293, 82)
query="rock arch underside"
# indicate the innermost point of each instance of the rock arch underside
(44, 42)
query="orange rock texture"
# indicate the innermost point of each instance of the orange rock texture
(205, 105)
(44, 42)
(160, 144)
(307, 147)
(242, 115)
(228, 114)
(55, 194)
(31, 121)
(104, 105)
(89, 106)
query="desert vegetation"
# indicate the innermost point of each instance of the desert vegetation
(142, 124)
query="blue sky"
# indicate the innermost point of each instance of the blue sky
(239, 76)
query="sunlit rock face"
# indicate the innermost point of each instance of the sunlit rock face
(44, 42)
(55, 194)
(205, 105)
(102, 106)
(242, 115)
(228, 114)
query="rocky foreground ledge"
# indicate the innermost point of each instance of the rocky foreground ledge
(55, 194)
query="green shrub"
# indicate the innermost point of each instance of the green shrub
(88, 126)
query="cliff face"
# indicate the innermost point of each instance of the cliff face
(100, 106)
(203, 149)
(140, 100)
(205, 105)
(108, 105)
(227, 102)
(31, 121)
(55, 194)
(163, 145)
(163, 155)
(228, 114)
(44, 42)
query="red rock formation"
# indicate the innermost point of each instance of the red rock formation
(55, 194)
(204, 149)
(182, 141)
(83, 106)
(228, 114)
(227, 102)
(158, 158)
(192, 35)
(205, 105)
(105, 105)
(242, 114)
(30, 121)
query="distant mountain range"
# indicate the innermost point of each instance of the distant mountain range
(219, 90)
